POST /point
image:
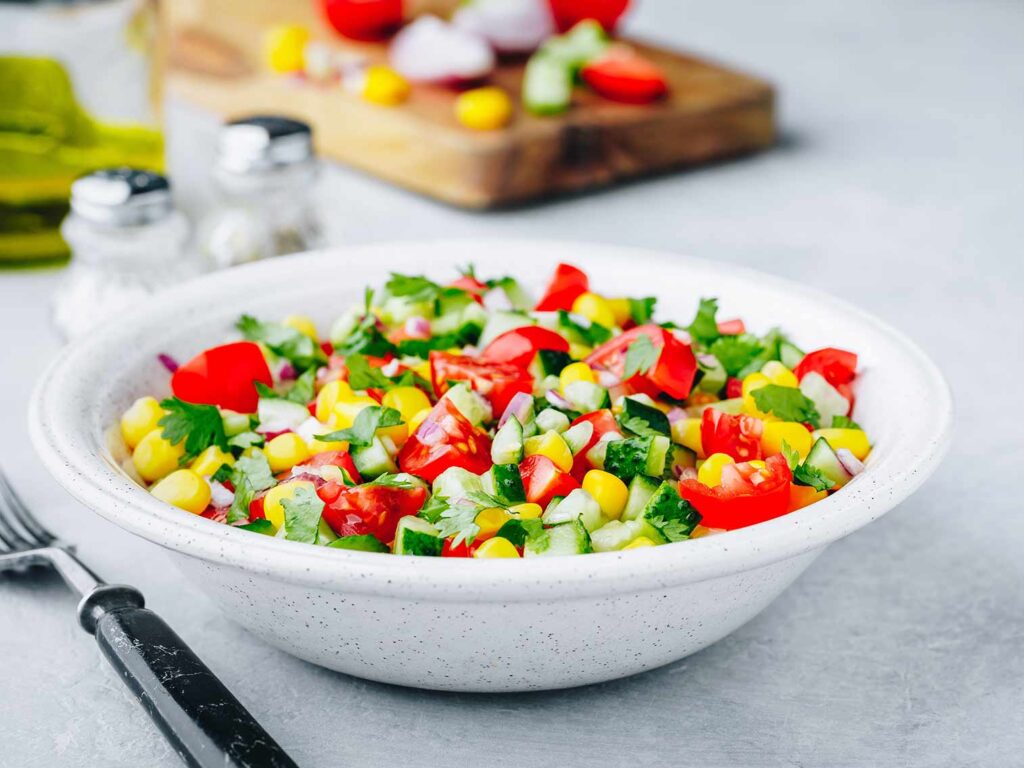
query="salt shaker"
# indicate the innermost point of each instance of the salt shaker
(265, 171)
(127, 243)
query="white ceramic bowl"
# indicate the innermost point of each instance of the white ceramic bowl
(495, 625)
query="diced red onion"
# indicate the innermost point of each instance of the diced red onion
(286, 372)
(850, 463)
(417, 327)
(431, 50)
(519, 406)
(676, 414)
(220, 496)
(555, 398)
(168, 362)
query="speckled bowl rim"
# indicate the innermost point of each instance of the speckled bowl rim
(73, 452)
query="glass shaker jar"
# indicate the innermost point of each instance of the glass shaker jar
(265, 172)
(127, 243)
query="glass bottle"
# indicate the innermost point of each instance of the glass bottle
(127, 243)
(265, 171)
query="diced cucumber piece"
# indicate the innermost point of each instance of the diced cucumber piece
(596, 455)
(506, 483)
(827, 400)
(670, 514)
(566, 539)
(641, 489)
(551, 420)
(637, 456)
(470, 404)
(823, 458)
(713, 376)
(547, 85)
(362, 542)
(344, 326)
(507, 446)
(679, 458)
(456, 483)
(235, 423)
(373, 460)
(277, 415)
(585, 396)
(733, 406)
(790, 354)
(416, 536)
(550, 362)
(577, 437)
(572, 50)
(324, 533)
(500, 322)
(578, 505)
(642, 419)
(398, 309)
(616, 534)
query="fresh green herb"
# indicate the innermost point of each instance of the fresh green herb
(412, 287)
(805, 474)
(844, 422)
(791, 454)
(770, 344)
(246, 440)
(223, 473)
(459, 520)
(641, 356)
(642, 310)
(787, 403)
(421, 348)
(366, 337)
(363, 542)
(298, 348)
(592, 333)
(391, 480)
(704, 328)
(736, 352)
(518, 531)
(260, 525)
(431, 511)
(485, 500)
(301, 391)
(250, 475)
(362, 375)
(366, 424)
(302, 514)
(641, 419)
(198, 426)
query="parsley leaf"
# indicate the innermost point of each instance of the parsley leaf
(366, 424)
(223, 473)
(704, 328)
(260, 525)
(431, 511)
(518, 531)
(302, 515)
(199, 426)
(787, 403)
(459, 520)
(366, 337)
(641, 356)
(392, 480)
(250, 475)
(844, 422)
(642, 310)
(302, 351)
(792, 457)
(676, 517)
(301, 391)
(412, 287)
(736, 352)
(592, 333)
(362, 375)
(805, 474)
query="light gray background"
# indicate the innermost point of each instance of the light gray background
(898, 186)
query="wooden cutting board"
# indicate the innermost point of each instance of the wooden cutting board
(712, 112)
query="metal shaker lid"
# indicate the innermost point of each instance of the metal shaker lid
(122, 197)
(263, 143)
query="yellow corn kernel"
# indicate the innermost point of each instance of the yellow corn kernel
(210, 460)
(408, 401)
(622, 311)
(608, 491)
(484, 109)
(853, 440)
(595, 308)
(526, 511)
(793, 433)
(184, 489)
(686, 432)
(273, 509)
(419, 418)
(140, 419)
(347, 408)
(285, 451)
(284, 48)
(710, 472)
(385, 86)
(155, 457)
(496, 547)
(328, 397)
(579, 351)
(779, 374)
(490, 521)
(639, 542)
(552, 445)
(575, 372)
(397, 434)
(319, 446)
(303, 324)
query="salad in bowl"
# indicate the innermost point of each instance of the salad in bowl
(466, 419)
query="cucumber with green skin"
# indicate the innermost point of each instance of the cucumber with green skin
(577, 436)
(670, 514)
(550, 362)
(616, 534)
(547, 85)
(790, 354)
(641, 489)
(714, 375)
(456, 483)
(578, 505)
(507, 446)
(642, 419)
(416, 536)
(507, 483)
(637, 456)
(824, 459)
(550, 420)
(373, 460)
(565, 539)
(585, 396)
(469, 404)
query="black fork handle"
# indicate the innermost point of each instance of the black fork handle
(200, 717)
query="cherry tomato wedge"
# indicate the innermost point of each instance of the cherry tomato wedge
(565, 287)
(623, 75)
(341, 459)
(472, 286)
(364, 19)
(603, 422)
(445, 439)
(369, 508)
(224, 376)
(736, 436)
(837, 366)
(672, 373)
(497, 382)
(462, 549)
(607, 13)
(544, 481)
(748, 495)
(520, 345)
(732, 327)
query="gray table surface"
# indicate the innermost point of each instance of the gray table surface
(898, 186)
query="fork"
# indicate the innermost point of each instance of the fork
(198, 715)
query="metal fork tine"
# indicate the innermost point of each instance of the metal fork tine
(37, 535)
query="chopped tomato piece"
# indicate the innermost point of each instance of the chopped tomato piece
(736, 436)
(224, 376)
(445, 439)
(732, 327)
(341, 459)
(544, 481)
(622, 74)
(747, 495)
(520, 345)
(372, 509)
(837, 366)
(462, 549)
(672, 373)
(497, 382)
(364, 19)
(607, 13)
(603, 422)
(733, 387)
(565, 287)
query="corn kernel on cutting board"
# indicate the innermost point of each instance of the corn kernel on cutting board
(711, 113)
